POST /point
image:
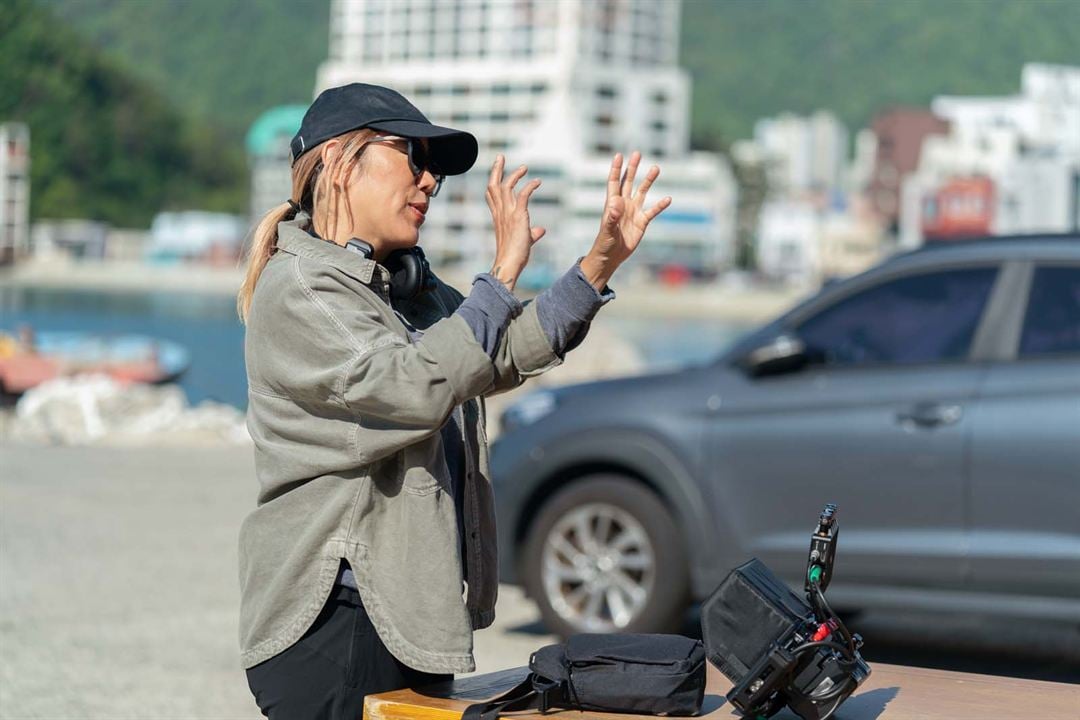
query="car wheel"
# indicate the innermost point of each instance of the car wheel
(605, 555)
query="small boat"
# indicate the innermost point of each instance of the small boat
(29, 359)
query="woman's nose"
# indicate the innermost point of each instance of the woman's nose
(427, 182)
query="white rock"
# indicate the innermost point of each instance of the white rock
(95, 409)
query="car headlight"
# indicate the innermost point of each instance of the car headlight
(528, 410)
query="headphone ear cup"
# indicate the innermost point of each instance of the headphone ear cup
(427, 278)
(410, 274)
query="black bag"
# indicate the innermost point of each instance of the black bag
(645, 674)
(747, 614)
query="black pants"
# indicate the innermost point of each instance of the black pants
(327, 673)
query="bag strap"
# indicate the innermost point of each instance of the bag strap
(530, 694)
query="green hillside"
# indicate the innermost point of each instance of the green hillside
(230, 59)
(754, 58)
(223, 60)
(160, 63)
(104, 146)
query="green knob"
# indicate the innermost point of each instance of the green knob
(815, 573)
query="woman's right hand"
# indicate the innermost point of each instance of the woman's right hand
(514, 236)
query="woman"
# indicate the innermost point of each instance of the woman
(366, 381)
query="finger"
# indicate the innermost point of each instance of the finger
(515, 177)
(613, 211)
(537, 233)
(613, 175)
(631, 171)
(496, 170)
(657, 209)
(643, 190)
(526, 193)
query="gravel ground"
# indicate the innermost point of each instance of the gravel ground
(118, 591)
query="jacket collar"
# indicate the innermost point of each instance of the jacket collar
(294, 238)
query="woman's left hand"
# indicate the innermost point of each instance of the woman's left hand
(624, 221)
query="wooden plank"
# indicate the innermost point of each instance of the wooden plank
(892, 692)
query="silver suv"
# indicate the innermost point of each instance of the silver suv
(934, 398)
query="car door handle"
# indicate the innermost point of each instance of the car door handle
(930, 415)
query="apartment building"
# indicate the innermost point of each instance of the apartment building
(14, 192)
(1021, 153)
(560, 85)
(803, 154)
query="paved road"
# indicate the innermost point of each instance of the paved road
(118, 592)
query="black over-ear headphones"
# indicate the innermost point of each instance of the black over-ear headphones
(410, 274)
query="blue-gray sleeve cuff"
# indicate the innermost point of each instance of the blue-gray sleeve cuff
(488, 310)
(567, 307)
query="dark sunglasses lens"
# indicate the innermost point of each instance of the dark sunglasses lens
(418, 156)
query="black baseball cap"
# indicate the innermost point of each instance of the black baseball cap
(358, 105)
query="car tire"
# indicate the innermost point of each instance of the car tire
(635, 543)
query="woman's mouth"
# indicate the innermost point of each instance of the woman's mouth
(418, 214)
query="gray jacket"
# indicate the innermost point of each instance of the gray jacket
(345, 413)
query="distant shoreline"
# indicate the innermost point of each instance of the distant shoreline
(748, 304)
(122, 276)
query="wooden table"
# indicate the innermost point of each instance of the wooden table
(892, 692)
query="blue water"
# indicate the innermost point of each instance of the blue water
(208, 327)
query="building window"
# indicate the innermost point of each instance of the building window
(605, 91)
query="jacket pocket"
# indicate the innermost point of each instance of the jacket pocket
(424, 467)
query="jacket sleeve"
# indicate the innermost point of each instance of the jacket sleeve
(523, 352)
(399, 393)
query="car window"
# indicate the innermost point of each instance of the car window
(1052, 319)
(924, 318)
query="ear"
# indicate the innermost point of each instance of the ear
(329, 150)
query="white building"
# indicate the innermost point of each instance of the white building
(1028, 145)
(803, 154)
(803, 242)
(72, 237)
(14, 191)
(560, 85)
(788, 246)
(196, 235)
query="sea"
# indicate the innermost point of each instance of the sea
(208, 327)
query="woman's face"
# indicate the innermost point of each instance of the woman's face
(388, 201)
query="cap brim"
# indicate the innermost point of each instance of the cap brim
(453, 152)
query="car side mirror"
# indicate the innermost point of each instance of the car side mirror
(785, 353)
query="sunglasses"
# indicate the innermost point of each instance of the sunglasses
(419, 156)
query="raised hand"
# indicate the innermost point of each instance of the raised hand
(514, 235)
(624, 221)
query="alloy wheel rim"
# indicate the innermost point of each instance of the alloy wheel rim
(598, 568)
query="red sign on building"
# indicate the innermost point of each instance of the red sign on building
(962, 207)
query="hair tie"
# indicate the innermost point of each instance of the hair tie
(295, 207)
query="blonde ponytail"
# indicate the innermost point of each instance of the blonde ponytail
(263, 246)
